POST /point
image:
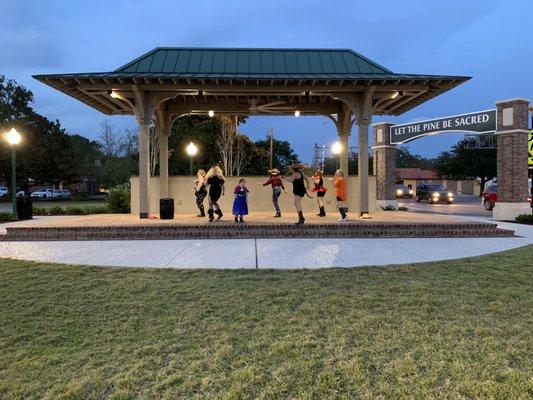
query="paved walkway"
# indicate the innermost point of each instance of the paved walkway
(264, 253)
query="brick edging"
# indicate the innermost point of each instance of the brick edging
(259, 231)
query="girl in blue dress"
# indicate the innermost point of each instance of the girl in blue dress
(240, 204)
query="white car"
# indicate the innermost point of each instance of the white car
(4, 192)
(52, 194)
(43, 194)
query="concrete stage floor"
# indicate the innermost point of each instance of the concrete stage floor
(102, 220)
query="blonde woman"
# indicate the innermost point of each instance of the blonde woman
(300, 184)
(215, 181)
(200, 191)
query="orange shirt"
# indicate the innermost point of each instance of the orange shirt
(340, 189)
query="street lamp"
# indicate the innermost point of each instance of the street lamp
(191, 151)
(13, 138)
(336, 149)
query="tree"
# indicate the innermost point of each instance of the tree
(118, 156)
(225, 144)
(283, 155)
(404, 159)
(465, 162)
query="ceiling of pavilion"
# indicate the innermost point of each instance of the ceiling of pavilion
(254, 82)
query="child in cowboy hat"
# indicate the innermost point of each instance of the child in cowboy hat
(277, 185)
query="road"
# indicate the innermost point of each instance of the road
(463, 206)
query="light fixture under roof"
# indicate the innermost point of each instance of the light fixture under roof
(297, 113)
(211, 113)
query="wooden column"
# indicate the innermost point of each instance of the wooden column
(163, 127)
(343, 130)
(361, 106)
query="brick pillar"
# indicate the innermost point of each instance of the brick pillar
(384, 166)
(511, 136)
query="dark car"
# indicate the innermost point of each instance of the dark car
(403, 191)
(433, 193)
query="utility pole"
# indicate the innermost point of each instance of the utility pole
(271, 140)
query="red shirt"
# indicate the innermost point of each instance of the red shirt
(275, 181)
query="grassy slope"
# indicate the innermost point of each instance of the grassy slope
(459, 329)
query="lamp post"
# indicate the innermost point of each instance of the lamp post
(336, 149)
(13, 138)
(191, 151)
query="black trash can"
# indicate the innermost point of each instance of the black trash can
(24, 208)
(166, 208)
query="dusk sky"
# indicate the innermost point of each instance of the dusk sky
(492, 41)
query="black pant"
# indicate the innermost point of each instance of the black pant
(200, 196)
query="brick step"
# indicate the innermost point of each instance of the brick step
(260, 231)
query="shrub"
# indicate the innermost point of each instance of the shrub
(525, 219)
(402, 208)
(389, 208)
(56, 210)
(119, 199)
(95, 210)
(76, 211)
(7, 217)
(40, 211)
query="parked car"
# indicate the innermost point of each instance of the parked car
(52, 194)
(62, 194)
(43, 194)
(5, 193)
(490, 197)
(404, 191)
(433, 193)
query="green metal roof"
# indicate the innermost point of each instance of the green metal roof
(222, 62)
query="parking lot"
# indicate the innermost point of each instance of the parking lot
(462, 206)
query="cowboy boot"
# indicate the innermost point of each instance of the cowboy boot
(219, 214)
(236, 219)
(322, 212)
(210, 213)
(301, 218)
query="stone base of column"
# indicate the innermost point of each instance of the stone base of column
(381, 204)
(509, 211)
(143, 215)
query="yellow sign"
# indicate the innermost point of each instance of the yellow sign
(530, 149)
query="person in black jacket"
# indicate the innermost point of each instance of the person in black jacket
(300, 184)
(215, 182)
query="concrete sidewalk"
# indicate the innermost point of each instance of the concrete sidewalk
(264, 253)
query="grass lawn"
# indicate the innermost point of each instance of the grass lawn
(455, 330)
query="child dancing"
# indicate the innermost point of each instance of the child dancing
(320, 191)
(240, 204)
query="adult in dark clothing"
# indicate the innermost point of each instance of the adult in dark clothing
(300, 183)
(215, 182)
(277, 185)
